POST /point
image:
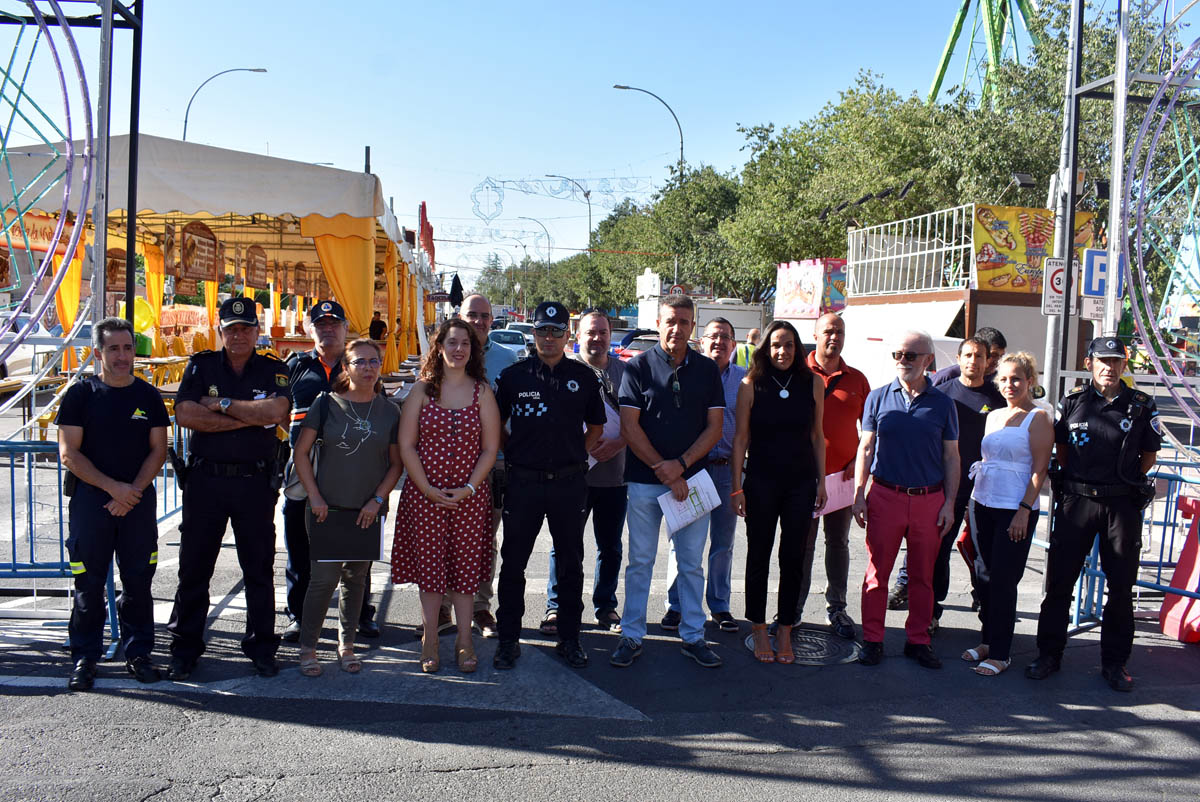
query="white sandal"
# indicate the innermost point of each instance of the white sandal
(974, 655)
(992, 668)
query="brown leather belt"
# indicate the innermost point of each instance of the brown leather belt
(718, 461)
(909, 491)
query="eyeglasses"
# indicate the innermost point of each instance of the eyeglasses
(907, 356)
(550, 331)
(364, 363)
(717, 337)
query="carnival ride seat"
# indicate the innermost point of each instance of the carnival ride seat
(178, 347)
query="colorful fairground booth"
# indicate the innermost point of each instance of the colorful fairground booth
(949, 273)
(289, 227)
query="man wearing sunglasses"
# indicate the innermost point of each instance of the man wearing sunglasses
(672, 406)
(909, 449)
(553, 412)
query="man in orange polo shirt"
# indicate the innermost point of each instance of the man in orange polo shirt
(846, 392)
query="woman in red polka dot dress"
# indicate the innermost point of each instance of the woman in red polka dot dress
(449, 436)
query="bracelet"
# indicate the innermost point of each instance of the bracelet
(735, 493)
(1025, 506)
(468, 484)
(681, 462)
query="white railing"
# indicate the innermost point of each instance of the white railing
(929, 252)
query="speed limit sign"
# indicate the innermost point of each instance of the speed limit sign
(1055, 282)
(677, 289)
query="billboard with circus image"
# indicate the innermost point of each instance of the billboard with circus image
(1010, 244)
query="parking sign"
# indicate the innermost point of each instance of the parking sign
(1095, 273)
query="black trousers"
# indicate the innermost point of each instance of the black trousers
(209, 504)
(941, 567)
(296, 570)
(94, 536)
(1077, 521)
(999, 566)
(786, 502)
(527, 503)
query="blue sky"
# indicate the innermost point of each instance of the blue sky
(447, 94)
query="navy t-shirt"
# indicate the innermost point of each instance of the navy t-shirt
(116, 423)
(973, 405)
(672, 420)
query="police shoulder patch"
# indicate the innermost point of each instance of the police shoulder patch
(281, 380)
(1140, 397)
(1079, 388)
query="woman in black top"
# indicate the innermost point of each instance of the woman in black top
(779, 409)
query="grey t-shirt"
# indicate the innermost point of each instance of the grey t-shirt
(354, 456)
(612, 472)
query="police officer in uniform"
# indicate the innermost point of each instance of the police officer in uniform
(112, 437)
(311, 373)
(554, 414)
(232, 400)
(1106, 437)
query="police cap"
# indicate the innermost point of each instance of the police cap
(324, 309)
(239, 310)
(1102, 347)
(551, 313)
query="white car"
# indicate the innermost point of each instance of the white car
(22, 359)
(510, 339)
(525, 329)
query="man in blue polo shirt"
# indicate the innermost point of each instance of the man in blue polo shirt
(672, 405)
(909, 449)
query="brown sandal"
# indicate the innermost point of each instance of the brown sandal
(762, 644)
(430, 661)
(467, 662)
(310, 666)
(783, 645)
(349, 661)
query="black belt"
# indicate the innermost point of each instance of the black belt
(718, 461)
(1098, 491)
(230, 469)
(910, 491)
(532, 475)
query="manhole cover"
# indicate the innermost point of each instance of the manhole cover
(817, 647)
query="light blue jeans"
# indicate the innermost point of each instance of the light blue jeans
(644, 518)
(722, 523)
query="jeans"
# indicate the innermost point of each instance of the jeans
(999, 564)
(606, 506)
(644, 517)
(893, 516)
(722, 524)
(837, 561)
(772, 501)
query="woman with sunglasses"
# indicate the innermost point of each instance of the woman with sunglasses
(1016, 447)
(359, 465)
(449, 436)
(779, 409)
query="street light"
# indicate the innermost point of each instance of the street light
(543, 225)
(201, 86)
(587, 196)
(677, 125)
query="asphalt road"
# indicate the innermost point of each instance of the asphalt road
(663, 729)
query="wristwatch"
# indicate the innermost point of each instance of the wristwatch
(378, 500)
(225, 404)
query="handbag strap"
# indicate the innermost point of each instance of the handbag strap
(833, 383)
(323, 398)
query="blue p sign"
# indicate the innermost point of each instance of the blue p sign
(1095, 273)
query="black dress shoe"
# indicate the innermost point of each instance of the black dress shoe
(871, 653)
(924, 655)
(368, 629)
(265, 666)
(142, 669)
(506, 655)
(1043, 666)
(180, 668)
(83, 676)
(572, 653)
(1117, 678)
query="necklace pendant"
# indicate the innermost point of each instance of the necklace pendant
(784, 393)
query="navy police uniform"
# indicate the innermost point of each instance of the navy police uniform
(546, 410)
(1103, 442)
(116, 423)
(229, 479)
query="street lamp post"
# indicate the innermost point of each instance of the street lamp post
(201, 86)
(543, 225)
(677, 125)
(587, 196)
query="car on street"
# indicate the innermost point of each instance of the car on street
(526, 329)
(636, 346)
(510, 339)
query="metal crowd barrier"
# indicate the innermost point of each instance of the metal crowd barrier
(1162, 540)
(35, 545)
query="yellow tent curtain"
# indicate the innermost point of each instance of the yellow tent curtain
(346, 247)
(210, 303)
(391, 362)
(155, 281)
(402, 311)
(66, 302)
(410, 322)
